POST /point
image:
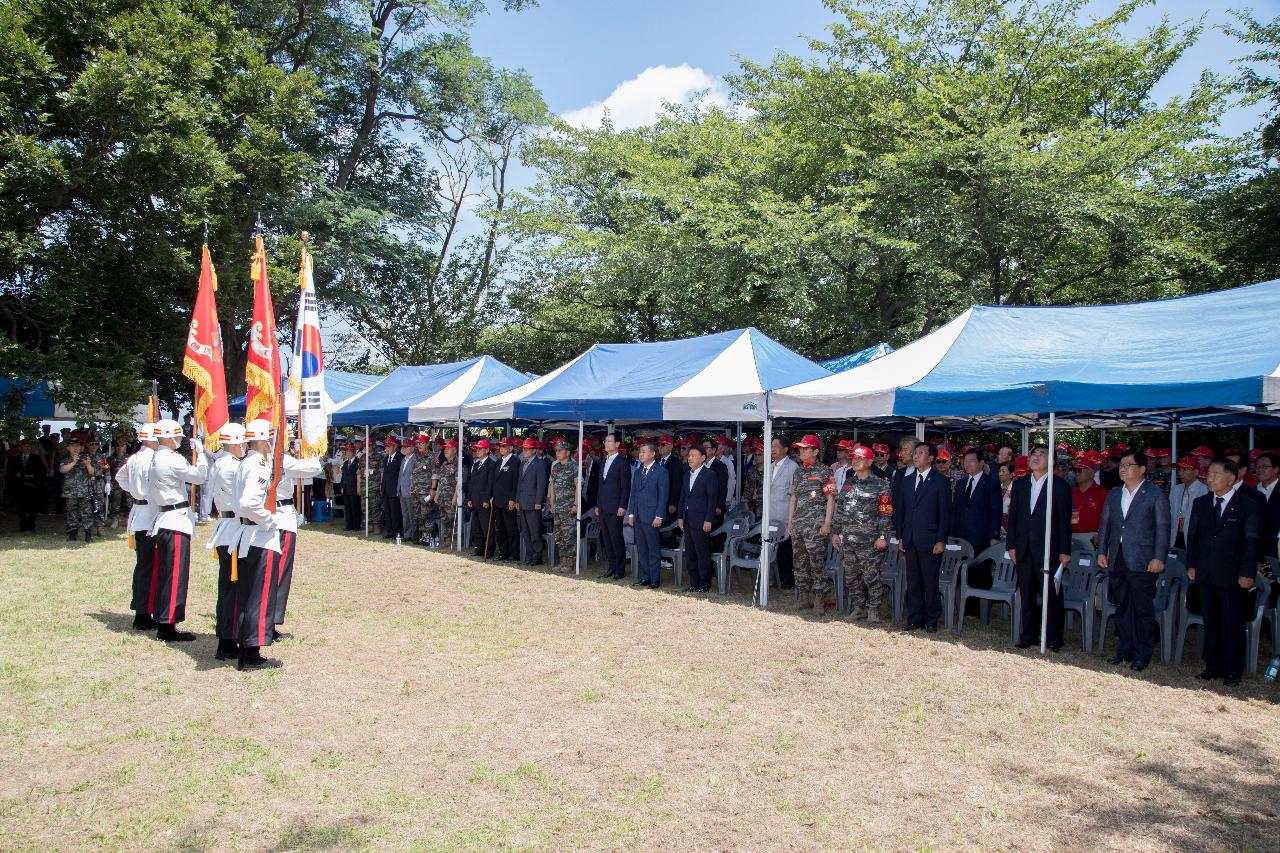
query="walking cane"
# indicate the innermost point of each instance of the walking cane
(488, 530)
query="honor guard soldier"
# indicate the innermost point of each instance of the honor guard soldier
(292, 472)
(77, 473)
(860, 532)
(132, 478)
(170, 475)
(809, 524)
(226, 533)
(444, 489)
(562, 495)
(257, 550)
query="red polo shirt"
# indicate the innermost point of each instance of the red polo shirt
(1086, 509)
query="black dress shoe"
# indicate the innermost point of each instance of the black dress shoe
(706, 589)
(170, 634)
(1208, 675)
(1138, 665)
(1116, 660)
(639, 583)
(913, 626)
(277, 636)
(931, 629)
(606, 576)
(1231, 681)
(1055, 648)
(143, 622)
(653, 585)
(227, 650)
(1023, 644)
(254, 660)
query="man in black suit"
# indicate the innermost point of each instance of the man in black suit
(26, 475)
(506, 528)
(675, 469)
(695, 515)
(611, 506)
(1132, 543)
(352, 471)
(1028, 501)
(976, 510)
(717, 466)
(392, 518)
(479, 492)
(921, 521)
(531, 494)
(1222, 558)
(1267, 469)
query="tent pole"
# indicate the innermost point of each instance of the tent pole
(457, 492)
(737, 434)
(1102, 439)
(577, 515)
(1048, 539)
(1250, 439)
(919, 430)
(1026, 440)
(366, 481)
(767, 476)
(1173, 440)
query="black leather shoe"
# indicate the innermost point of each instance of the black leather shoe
(88, 536)
(277, 636)
(1231, 681)
(1055, 648)
(227, 650)
(1116, 660)
(912, 627)
(1023, 644)
(255, 660)
(653, 585)
(170, 634)
(639, 583)
(1208, 675)
(690, 589)
(606, 576)
(143, 622)
(1138, 665)
(931, 629)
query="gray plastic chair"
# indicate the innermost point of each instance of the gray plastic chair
(1166, 604)
(746, 554)
(956, 557)
(1003, 589)
(835, 574)
(590, 541)
(1077, 593)
(1186, 621)
(893, 576)
(675, 555)
(738, 526)
(1253, 628)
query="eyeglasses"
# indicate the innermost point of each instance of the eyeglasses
(1129, 465)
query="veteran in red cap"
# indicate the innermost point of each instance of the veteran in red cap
(479, 492)
(1088, 497)
(809, 524)
(861, 527)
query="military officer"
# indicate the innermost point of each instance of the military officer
(101, 475)
(167, 482)
(420, 489)
(860, 531)
(809, 524)
(77, 472)
(562, 497)
(257, 550)
(225, 536)
(444, 492)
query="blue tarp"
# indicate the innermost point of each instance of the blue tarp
(38, 403)
(338, 384)
(1210, 350)
(433, 392)
(721, 377)
(857, 359)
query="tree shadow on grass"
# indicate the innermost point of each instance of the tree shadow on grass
(343, 834)
(1228, 811)
(200, 650)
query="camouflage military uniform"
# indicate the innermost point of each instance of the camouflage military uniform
(1159, 478)
(753, 488)
(77, 488)
(419, 491)
(864, 513)
(445, 473)
(564, 480)
(373, 489)
(811, 485)
(102, 470)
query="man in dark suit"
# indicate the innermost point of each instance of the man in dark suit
(675, 469)
(1267, 469)
(976, 510)
(531, 494)
(696, 513)
(611, 506)
(1132, 543)
(1222, 557)
(921, 521)
(645, 513)
(392, 519)
(717, 466)
(506, 527)
(1028, 503)
(26, 475)
(352, 470)
(479, 492)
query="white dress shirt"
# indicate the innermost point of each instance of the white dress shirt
(167, 479)
(1126, 498)
(132, 477)
(253, 481)
(1037, 486)
(608, 460)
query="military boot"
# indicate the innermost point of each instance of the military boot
(820, 605)
(856, 614)
(803, 602)
(88, 536)
(873, 616)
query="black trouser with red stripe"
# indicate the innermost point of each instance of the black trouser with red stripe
(256, 597)
(173, 568)
(144, 573)
(224, 614)
(284, 573)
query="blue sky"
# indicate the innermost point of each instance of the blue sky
(631, 55)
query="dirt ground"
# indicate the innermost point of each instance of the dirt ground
(430, 702)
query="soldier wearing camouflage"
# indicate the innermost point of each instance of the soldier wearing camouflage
(444, 477)
(98, 492)
(563, 496)
(809, 525)
(420, 490)
(77, 472)
(753, 481)
(860, 531)
(372, 491)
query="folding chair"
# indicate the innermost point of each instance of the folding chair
(893, 576)
(1003, 589)
(956, 557)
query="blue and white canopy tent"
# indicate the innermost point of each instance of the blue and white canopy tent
(719, 378)
(427, 393)
(857, 359)
(1215, 350)
(339, 387)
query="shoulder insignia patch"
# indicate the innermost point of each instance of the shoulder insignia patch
(886, 505)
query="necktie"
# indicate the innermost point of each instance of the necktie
(1217, 508)
(968, 490)
(644, 475)
(919, 480)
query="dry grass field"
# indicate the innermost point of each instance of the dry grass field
(429, 702)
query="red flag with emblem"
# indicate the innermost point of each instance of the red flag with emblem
(262, 369)
(202, 362)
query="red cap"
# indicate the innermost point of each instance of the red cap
(944, 455)
(1203, 452)
(1188, 462)
(423, 439)
(880, 448)
(391, 439)
(453, 442)
(1255, 453)
(481, 444)
(861, 451)
(1020, 466)
(808, 441)
(510, 441)
(665, 439)
(1230, 451)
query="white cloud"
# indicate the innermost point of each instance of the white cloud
(639, 101)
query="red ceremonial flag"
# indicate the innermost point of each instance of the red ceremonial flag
(262, 369)
(202, 363)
